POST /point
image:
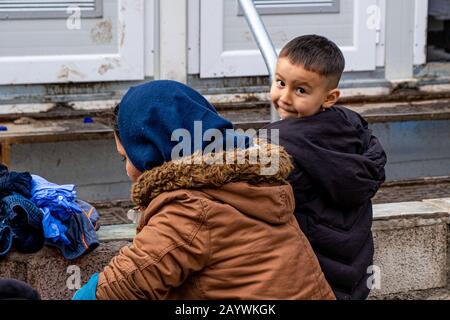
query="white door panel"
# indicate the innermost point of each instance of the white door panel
(227, 48)
(110, 48)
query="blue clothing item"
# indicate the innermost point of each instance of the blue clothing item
(69, 224)
(14, 182)
(25, 220)
(6, 239)
(150, 113)
(89, 290)
(79, 231)
(90, 212)
(54, 229)
(58, 204)
(59, 199)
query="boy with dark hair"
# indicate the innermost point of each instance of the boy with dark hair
(339, 164)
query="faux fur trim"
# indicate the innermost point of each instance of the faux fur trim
(195, 171)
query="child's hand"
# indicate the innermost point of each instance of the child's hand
(89, 290)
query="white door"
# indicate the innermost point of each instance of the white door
(92, 40)
(227, 48)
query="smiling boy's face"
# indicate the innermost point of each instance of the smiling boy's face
(298, 93)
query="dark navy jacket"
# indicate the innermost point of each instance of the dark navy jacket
(339, 166)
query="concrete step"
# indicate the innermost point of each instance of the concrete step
(244, 109)
(59, 146)
(413, 190)
(415, 134)
(411, 246)
(115, 212)
(411, 255)
(257, 114)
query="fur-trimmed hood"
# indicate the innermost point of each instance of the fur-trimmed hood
(262, 163)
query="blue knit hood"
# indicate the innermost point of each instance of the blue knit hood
(150, 113)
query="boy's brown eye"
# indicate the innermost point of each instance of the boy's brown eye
(301, 90)
(280, 83)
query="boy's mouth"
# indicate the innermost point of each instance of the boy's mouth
(285, 111)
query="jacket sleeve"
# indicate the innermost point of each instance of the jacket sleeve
(173, 245)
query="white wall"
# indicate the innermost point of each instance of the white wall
(282, 28)
(48, 51)
(52, 37)
(227, 48)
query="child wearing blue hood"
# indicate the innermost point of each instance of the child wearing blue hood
(208, 229)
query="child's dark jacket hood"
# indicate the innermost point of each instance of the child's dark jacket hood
(339, 166)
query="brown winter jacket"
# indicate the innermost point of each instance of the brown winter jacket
(221, 231)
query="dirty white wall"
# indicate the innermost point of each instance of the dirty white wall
(227, 48)
(70, 49)
(52, 37)
(93, 166)
(284, 27)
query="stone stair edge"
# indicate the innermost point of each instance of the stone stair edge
(437, 210)
(241, 113)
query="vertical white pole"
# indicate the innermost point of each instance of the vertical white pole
(264, 42)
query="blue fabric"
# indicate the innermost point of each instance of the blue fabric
(68, 223)
(14, 182)
(80, 232)
(25, 220)
(89, 290)
(59, 199)
(151, 112)
(58, 204)
(90, 212)
(6, 239)
(54, 229)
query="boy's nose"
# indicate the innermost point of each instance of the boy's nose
(286, 97)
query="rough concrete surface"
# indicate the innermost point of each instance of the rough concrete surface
(430, 294)
(411, 251)
(114, 212)
(51, 274)
(411, 259)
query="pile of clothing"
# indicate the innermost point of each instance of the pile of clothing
(35, 212)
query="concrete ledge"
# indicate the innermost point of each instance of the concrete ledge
(52, 275)
(411, 251)
(411, 246)
(125, 232)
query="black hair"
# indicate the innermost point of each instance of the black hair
(114, 120)
(316, 54)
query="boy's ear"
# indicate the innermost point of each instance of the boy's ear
(332, 98)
